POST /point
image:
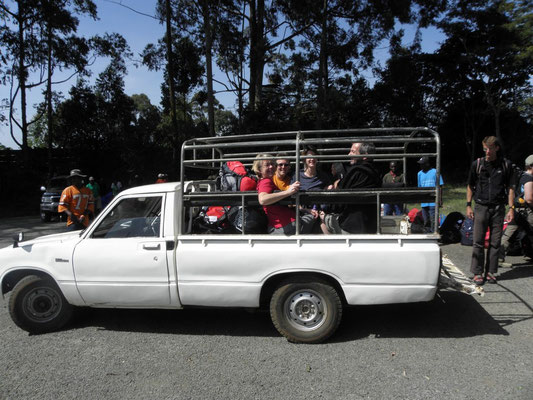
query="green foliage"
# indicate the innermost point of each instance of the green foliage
(301, 64)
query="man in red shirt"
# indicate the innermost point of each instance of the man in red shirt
(77, 202)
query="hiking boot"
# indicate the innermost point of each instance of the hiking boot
(490, 278)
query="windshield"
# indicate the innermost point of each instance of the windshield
(57, 184)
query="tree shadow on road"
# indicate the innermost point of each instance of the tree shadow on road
(451, 315)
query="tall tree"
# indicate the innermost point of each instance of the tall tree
(63, 48)
(24, 55)
(343, 35)
(496, 50)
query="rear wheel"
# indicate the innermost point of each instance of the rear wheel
(38, 306)
(306, 311)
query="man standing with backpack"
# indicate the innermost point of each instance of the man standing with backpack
(491, 185)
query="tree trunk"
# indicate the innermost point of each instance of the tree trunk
(22, 80)
(50, 128)
(209, 67)
(322, 69)
(260, 53)
(253, 55)
(170, 70)
(497, 111)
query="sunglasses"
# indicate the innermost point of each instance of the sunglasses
(283, 165)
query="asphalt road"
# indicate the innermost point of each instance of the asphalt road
(455, 347)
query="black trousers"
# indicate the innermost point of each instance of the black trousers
(485, 217)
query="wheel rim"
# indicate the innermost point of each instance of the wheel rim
(42, 304)
(306, 310)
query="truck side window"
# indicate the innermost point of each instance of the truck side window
(132, 217)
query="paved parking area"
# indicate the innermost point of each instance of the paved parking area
(457, 346)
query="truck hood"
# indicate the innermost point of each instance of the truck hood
(48, 239)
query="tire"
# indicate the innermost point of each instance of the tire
(37, 305)
(45, 217)
(306, 311)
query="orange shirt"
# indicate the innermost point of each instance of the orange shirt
(76, 201)
(281, 184)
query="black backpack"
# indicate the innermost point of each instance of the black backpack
(255, 219)
(450, 230)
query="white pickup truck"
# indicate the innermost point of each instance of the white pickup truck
(141, 252)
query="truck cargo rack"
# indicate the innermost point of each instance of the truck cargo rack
(201, 159)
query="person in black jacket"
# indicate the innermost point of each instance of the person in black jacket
(356, 218)
(490, 185)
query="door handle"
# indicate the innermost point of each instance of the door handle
(152, 247)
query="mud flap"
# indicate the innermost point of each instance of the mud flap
(453, 278)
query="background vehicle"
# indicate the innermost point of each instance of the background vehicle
(50, 198)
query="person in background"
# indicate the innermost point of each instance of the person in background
(77, 202)
(282, 178)
(116, 187)
(392, 180)
(95, 188)
(162, 178)
(524, 190)
(427, 177)
(490, 185)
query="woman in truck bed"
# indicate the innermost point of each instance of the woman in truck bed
(281, 219)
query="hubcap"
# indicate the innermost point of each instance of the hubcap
(42, 304)
(306, 310)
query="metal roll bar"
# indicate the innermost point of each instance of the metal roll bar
(392, 144)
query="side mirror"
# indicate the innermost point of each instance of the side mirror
(43, 189)
(18, 238)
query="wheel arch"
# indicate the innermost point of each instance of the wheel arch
(13, 277)
(274, 281)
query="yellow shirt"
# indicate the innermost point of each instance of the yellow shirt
(281, 184)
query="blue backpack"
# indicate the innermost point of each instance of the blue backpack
(467, 232)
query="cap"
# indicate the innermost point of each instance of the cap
(248, 184)
(529, 160)
(76, 172)
(91, 178)
(423, 160)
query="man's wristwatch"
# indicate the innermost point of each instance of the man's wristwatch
(469, 204)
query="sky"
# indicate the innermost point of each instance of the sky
(140, 30)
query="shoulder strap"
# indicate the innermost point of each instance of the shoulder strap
(507, 169)
(478, 166)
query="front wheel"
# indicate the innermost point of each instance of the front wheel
(306, 311)
(38, 306)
